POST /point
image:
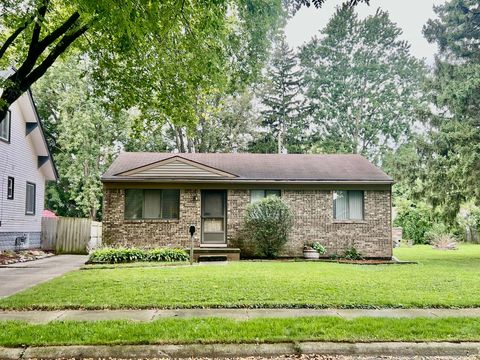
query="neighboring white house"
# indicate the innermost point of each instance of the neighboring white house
(25, 166)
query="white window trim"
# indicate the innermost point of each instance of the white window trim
(27, 212)
(8, 119)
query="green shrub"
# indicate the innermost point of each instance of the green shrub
(268, 223)
(115, 255)
(352, 254)
(437, 231)
(415, 219)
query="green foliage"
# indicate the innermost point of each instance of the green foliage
(435, 232)
(281, 100)
(159, 54)
(268, 223)
(127, 255)
(362, 85)
(352, 254)
(83, 134)
(319, 248)
(451, 151)
(415, 219)
(403, 165)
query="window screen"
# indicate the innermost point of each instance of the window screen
(30, 199)
(133, 204)
(5, 127)
(256, 195)
(348, 205)
(151, 204)
(170, 204)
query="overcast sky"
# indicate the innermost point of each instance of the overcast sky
(410, 16)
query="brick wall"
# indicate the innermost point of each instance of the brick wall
(151, 233)
(313, 221)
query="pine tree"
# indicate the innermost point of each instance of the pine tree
(281, 116)
(363, 87)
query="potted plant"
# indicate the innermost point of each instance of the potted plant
(313, 251)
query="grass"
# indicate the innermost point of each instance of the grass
(440, 279)
(219, 330)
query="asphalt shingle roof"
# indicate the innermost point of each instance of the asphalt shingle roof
(263, 167)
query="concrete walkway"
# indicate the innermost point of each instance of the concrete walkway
(20, 276)
(40, 317)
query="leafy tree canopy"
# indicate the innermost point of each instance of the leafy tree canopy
(170, 48)
(362, 84)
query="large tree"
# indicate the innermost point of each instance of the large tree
(362, 84)
(83, 134)
(34, 33)
(281, 99)
(451, 151)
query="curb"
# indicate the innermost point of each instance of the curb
(236, 350)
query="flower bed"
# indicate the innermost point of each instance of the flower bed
(127, 255)
(11, 257)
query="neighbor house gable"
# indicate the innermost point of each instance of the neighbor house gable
(176, 167)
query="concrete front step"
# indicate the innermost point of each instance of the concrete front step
(215, 253)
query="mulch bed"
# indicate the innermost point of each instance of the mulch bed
(12, 257)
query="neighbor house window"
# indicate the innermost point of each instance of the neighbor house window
(348, 205)
(5, 127)
(10, 188)
(30, 199)
(152, 204)
(256, 195)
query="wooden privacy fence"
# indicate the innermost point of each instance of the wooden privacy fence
(70, 235)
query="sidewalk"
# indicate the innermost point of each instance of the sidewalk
(241, 314)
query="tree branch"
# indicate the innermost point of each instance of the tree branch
(60, 48)
(50, 38)
(12, 37)
(42, 10)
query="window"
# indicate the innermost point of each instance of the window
(256, 195)
(10, 188)
(152, 204)
(348, 205)
(5, 127)
(30, 199)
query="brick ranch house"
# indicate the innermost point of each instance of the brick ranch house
(150, 199)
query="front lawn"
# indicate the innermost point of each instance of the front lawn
(440, 279)
(218, 330)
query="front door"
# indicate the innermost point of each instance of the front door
(213, 217)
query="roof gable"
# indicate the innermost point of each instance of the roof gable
(176, 167)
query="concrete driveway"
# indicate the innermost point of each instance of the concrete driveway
(21, 276)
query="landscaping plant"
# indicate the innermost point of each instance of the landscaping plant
(319, 248)
(268, 223)
(125, 255)
(414, 219)
(352, 254)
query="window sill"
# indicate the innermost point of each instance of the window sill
(139, 221)
(349, 221)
